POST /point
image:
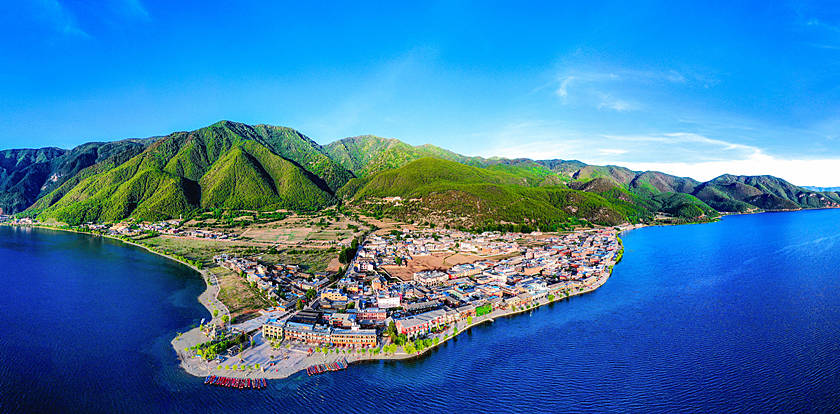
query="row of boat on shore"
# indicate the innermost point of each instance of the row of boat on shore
(237, 383)
(322, 368)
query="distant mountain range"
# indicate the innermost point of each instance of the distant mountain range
(822, 189)
(230, 165)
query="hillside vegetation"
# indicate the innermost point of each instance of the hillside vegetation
(235, 166)
(442, 190)
(28, 174)
(368, 154)
(225, 165)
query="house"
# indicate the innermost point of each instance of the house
(371, 314)
(431, 277)
(272, 329)
(354, 337)
(388, 302)
(418, 307)
(333, 295)
(413, 326)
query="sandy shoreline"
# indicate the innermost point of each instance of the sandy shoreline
(208, 298)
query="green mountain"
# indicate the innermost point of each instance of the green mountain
(368, 154)
(225, 165)
(28, 174)
(438, 190)
(638, 195)
(746, 193)
(237, 166)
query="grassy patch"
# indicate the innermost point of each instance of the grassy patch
(239, 297)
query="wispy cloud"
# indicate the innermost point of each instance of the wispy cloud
(690, 156)
(61, 19)
(611, 151)
(608, 90)
(563, 89)
(819, 24)
(135, 8)
(619, 105)
(64, 19)
(680, 153)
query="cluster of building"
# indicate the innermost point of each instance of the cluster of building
(392, 250)
(283, 283)
(170, 227)
(367, 299)
(318, 328)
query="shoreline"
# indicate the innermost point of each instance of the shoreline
(297, 360)
(203, 298)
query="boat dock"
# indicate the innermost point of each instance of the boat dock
(237, 383)
(322, 368)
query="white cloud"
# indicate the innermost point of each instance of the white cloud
(599, 90)
(563, 90)
(619, 105)
(816, 172)
(679, 153)
(675, 77)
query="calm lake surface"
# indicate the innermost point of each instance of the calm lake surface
(740, 315)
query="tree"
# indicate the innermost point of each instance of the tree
(215, 313)
(310, 294)
(300, 304)
(226, 318)
(392, 331)
(469, 320)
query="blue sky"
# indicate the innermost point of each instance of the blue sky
(695, 89)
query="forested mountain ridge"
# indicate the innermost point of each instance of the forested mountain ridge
(226, 165)
(28, 174)
(231, 165)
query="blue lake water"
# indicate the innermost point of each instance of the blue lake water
(740, 315)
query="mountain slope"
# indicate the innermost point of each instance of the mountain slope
(368, 154)
(238, 166)
(225, 165)
(28, 174)
(746, 193)
(450, 192)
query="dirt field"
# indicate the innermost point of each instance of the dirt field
(299, 230)
(443, 261)
(236, 294)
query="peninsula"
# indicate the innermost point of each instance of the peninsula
(363, 249)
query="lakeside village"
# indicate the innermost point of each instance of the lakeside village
(398, 297)
(125, 229)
